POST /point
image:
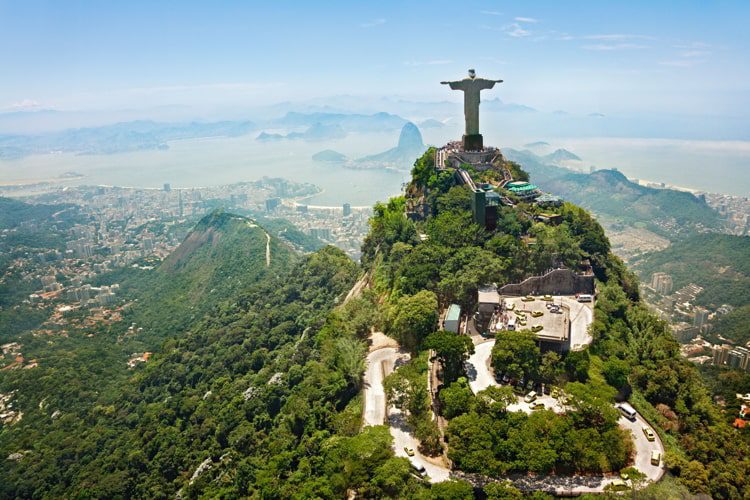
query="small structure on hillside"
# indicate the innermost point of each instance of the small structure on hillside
(452, 318)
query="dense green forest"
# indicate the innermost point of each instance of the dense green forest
(633, 354)
(720, 263)
(254, 388)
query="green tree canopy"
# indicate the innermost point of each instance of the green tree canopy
(516, 354)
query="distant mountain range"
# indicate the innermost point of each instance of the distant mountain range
(117, 138)
(316, 132)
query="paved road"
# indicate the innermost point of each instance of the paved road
(379, 364)
(478, 367)
(402, 438)
(644, 447)
(581, 316)
(481, 376)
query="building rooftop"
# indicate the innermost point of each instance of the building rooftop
(454, 312)
(488, 295)
(520, 187)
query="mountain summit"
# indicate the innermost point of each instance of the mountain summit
(410, 145)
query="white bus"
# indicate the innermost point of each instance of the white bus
(585, 297)
(628, 411)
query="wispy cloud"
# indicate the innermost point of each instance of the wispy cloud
(373, 23)
(691, 55)
(516, 31)
(526, 20)
(614, 46)
(490, 12)
(24, 105)
(432, 62)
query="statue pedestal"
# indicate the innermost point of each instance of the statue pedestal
(473, 142)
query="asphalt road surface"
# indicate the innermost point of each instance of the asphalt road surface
(481, 376)
(379, 364)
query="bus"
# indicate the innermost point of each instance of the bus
(628, 411)
(585, 297)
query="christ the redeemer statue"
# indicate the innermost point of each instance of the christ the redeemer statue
(471, 87)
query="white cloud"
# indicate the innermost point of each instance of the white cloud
(373, 23)
(24, 105)
(491, 12)
(526, 20)
(516, 31)
(614, 46)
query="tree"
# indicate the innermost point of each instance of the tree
(577, 365)
(457, 398)
(351, 359)
(516, 354)
(495, 400)
(591, 410)
(615, 371)
(413, 318)
(465, 270)
(502, 491)
(551, 367)
(452, 350)
(452, 490)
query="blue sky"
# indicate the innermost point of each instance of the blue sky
(688, 57)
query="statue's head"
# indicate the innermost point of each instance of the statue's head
(472, 73)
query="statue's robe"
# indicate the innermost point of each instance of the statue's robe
(471, 88)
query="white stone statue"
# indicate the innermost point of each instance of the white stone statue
(471, 87)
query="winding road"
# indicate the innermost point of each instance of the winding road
(380, 363)
(481, 377)
(382, 360)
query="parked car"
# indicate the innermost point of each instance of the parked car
(409, 451)
(547, 298)
(530, 397)
(649, 433)
(618, 484)
(538, 406)
(655, 457)
(419, 468)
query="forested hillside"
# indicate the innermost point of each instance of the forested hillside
(254, 386)
(719, 263)
(670, 213)
(633, 354)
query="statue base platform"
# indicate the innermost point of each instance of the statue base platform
(473, 142)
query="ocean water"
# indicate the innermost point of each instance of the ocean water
(716, 166)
